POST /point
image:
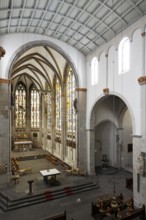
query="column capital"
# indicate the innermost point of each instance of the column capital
(142, 80)
(6, 81)
(143, 34)
(81, 90)
(106, 91)
(2, 52)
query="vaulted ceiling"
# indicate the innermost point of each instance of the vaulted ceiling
(84, 24)
(38, 65)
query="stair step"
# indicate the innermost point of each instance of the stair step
(47, 196)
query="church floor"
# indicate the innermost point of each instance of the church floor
(75, 210)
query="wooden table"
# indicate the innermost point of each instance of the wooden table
(50, 172)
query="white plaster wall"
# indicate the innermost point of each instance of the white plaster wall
(13, 42)
(126, 85)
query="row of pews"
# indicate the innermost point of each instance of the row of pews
(69, 169)
(116, 207)
(16, 171)
(56, 161)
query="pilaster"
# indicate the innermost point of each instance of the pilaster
(82, 139)
(4, 131)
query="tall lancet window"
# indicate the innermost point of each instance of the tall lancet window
(49, 103)
(35, 108)
(124, 55)
(20, 106)
(58, 105)
(70, 98)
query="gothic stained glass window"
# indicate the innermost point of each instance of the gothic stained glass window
(20, 106)
(49, 110)
(70, 97)
(58, 105)
(35, 112)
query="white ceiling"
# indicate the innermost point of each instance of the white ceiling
(84, 24)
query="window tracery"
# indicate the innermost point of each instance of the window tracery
(20, 106)
(35, 112)
(58, 105)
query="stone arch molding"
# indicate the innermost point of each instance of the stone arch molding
(103, 97)
(94, 124)
(32, 44)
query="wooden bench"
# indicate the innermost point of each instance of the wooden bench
(15, 178)
(60, 216)
(52, 159)
(15, 166)
(25, 171)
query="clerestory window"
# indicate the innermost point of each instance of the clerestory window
(124, 56)
(94, 71)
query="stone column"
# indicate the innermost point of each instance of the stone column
(137, 179)
(81, 128)
(63, 124)
(5, 130)
(91, 150)
(143, 53)
(45, 103)
(53, 122)
(139, 147)
(106, 70)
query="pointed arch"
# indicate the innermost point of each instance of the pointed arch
(20, 105)
(34, 109)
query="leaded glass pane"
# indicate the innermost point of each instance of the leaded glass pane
(49, 111)
(35, 112)
(20, 106)
(58, 104)
(70, 97)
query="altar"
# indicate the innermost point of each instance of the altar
(50, 172)
(22, 145)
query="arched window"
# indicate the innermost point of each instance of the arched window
(35, 112)
(20, 106)
(94, 71)
(124, 56)
(58, 105)
(70, 97)
(49, 110)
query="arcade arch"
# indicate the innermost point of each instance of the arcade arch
(112, 134)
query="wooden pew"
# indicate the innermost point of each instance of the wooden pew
(59, 216)
(15, 166)
(52, 159)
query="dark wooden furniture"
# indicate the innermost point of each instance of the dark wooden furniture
(124, 211)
